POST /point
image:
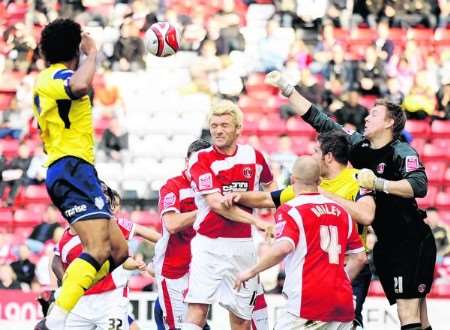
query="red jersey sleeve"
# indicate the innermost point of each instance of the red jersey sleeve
(126, 227)
(285, 226)
(169, 198)
(266, 176)
(205, 181)
(354, 242)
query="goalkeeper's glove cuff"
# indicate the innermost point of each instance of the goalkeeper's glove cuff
(381, 185)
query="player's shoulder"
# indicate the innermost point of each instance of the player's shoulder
(403, 149)
(203, 155)
(174, 183)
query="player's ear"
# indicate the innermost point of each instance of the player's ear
(292, 180)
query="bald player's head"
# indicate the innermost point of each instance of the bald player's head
(306, 171)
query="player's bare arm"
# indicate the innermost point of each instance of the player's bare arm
(412, 187)
(362, 211)
(278, 251)
(147, 233)
(176, 222)
(57, 268)
(235, 213)
(355, 263)
(253, 199)
(81, 81)
(133, 264)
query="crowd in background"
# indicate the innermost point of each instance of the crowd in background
(309, 40)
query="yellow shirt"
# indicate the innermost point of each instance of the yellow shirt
(65, 121)
(343, 185)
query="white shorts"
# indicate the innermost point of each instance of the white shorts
(260, 316)
(104, 311)
(214, 266)
(171, 298)
(288, 321)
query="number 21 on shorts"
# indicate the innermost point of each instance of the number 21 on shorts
(329, 242)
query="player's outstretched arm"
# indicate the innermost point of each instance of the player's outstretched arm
(235, 213)
(278, 251)
(175, 222)
(362, 211)
(81, 80)
(148, 233)
(253, 199)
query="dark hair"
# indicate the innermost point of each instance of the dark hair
(431, 209)
(60, 41)
(337, 143)
(111, 195)
(396, 113)
(196, 146)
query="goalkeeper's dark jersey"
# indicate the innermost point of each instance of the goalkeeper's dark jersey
(397, 219)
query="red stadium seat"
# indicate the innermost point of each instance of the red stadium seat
(137, 283)
(421, 36)
(26, 218)
(10, 147)
(250, 126)
(297, 127)
(6, 219)
(432, 152)
(435, 171)
(363, 36)
(255, 84)
(271, 125)
(440, 129)
(36, 194)
(269, 144)
(429, 199)
(302, 145)
(397, 35)
(418, 144)
(5, 100)
(418, 128)
(249, 104)
(445, 216)
(146, 218)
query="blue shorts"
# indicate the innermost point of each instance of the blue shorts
(75, 189)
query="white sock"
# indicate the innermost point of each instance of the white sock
(190, 326)
(56, 318)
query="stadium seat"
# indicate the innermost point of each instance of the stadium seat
(250, 104)
(418, 144)
(250, 126)
(433, 152)
(440, 129)
(36, 194)
(435, 171)
(26, 218)
(302, 145)
(271, 125)
(443, 200)
(297, 127)
(418, 128)
(397, 35)
(146, 218)
(139, 187)
(6, 219)
(421, 36)
(269, 144)
(429, 199)
(5, 100)
(9, 147)
(445, 216)
(256, 85)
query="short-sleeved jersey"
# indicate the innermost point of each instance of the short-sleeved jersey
(173, 251)
(343, 185)
(316, 285)
(70, 247)
(212, 171)
(397, 219)
(65, 121)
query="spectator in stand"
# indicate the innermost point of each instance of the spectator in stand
(444, 16)
(385, 46)
(371, 73)
(443, 106)
(323, 50)
(393, 93)
(15, 174)
(440, 233)
(352, 114)
(115, 141)
(129, 50)
(366, 12)
(36, 171)
(272, 50)
(405, 74)
(2, 163)
(11, 123)
(8, 278)
(284, 155)
(285, 14)
(421, 100)
(339, 68)
(412, 13)
(44, 231)
(24, 268)
(278, 289)
(19, 45)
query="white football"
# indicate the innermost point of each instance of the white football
(162, 39)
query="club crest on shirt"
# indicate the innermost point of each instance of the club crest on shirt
(247, 172)
(99, 202)
(380, 168)
(412, 163)
(169, 200)
(205, 181)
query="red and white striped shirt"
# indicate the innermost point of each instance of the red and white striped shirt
(173, 251)
(212, 171)
(70, 247)
(316, 284)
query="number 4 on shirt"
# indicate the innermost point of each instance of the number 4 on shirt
(329, 243)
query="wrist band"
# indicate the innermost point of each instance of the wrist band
(380, 185)
(287, 90)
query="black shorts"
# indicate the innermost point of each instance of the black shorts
(360, 286)
(406, 271)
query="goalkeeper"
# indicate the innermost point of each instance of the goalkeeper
(405, 253)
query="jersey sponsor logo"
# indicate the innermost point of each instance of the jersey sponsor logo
(279, 227)
(74, 210)
(380, 168)
(99, 202)
(239, 186)
(205, 181)
(412, 163)
(248, 172)
(169, 200)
